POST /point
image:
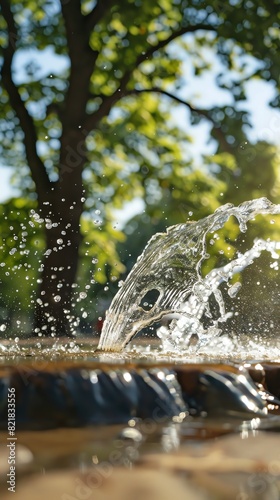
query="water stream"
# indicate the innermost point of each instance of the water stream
(167, 281)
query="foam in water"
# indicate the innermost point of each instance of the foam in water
(169, 270)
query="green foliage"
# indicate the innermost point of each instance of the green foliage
(124, 33)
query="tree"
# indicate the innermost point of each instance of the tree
(99, 132)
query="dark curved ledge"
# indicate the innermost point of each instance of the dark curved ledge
(77, 394)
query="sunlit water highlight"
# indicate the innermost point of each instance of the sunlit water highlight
(170, 269)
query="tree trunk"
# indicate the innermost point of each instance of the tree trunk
(62, 213)
(59, 268)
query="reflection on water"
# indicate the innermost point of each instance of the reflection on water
(194, 429)
(153, 462)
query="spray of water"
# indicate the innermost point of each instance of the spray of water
(169, 270)
(21, 269)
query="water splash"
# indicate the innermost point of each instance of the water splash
(169, 270)
(189, 323)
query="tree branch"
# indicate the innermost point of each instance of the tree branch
(38, 172)
(199, 111)
(107, 104)
(74, 22)
(176, 34)
(82, 59)
(96, 14)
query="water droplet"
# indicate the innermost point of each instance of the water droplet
(132, 434)
(57, 298)
(234, 289)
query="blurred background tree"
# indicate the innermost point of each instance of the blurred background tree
(106, 127)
